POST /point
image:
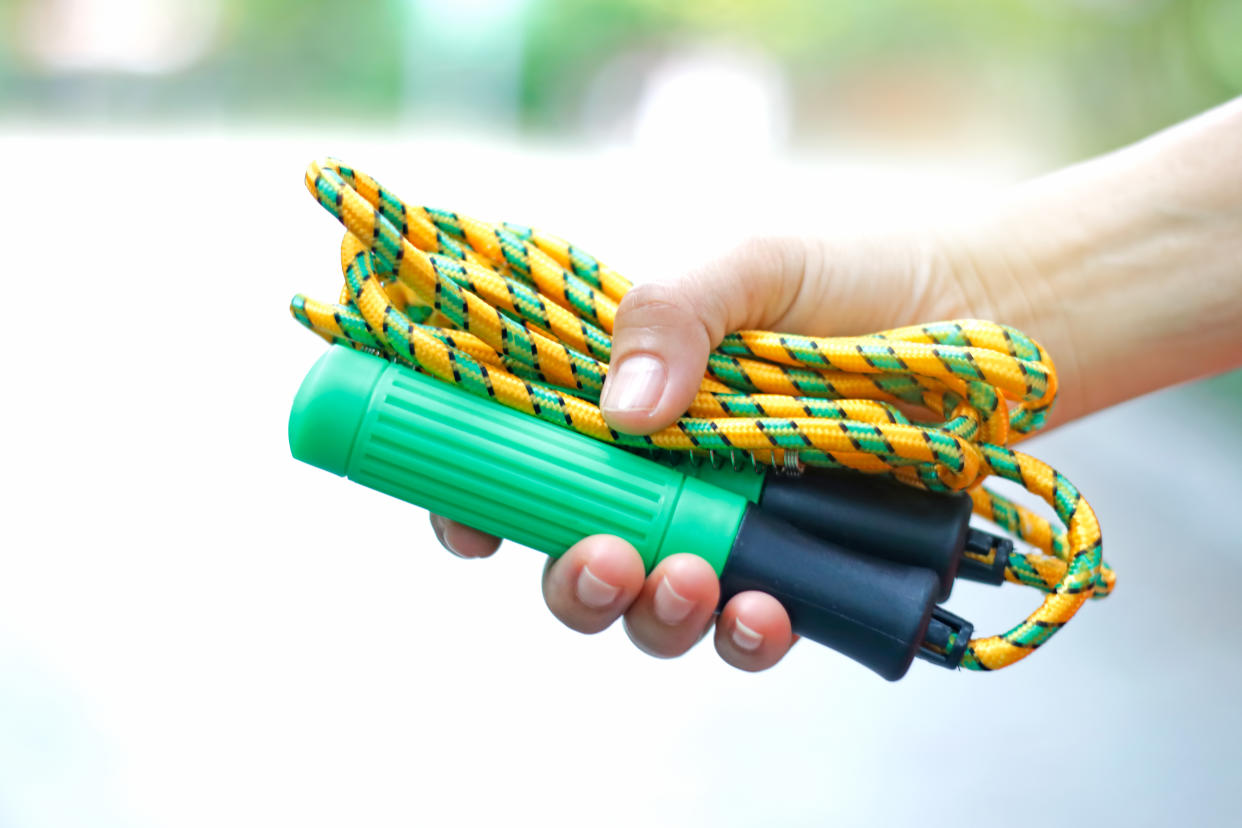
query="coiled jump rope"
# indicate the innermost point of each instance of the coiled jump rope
(524, 319)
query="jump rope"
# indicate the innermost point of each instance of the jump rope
(520, 319)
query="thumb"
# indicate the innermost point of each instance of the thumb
(664, 332)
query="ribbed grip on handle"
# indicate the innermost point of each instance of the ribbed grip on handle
(477, 462)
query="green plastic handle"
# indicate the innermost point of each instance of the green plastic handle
(429, 443)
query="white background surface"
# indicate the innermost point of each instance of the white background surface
(196, 630)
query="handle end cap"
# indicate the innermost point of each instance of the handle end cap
(330, 406)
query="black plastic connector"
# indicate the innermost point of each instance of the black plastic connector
(875, 611)
(985, 557)
(878, 516)
(946, 639)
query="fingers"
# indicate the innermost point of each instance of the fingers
(601, 578)
(593, 583)
(463, 541)
(664, 332)
(675, 606)
(753, 631)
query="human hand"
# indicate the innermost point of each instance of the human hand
(661, 341)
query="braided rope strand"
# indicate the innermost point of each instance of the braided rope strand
(525, 319)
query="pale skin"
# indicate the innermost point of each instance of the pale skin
(1128, 268)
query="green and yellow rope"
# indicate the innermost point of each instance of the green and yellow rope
(526, 319)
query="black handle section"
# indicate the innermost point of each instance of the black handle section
(872, 610)
(875, 515)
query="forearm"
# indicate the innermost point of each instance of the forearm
(1128, 268)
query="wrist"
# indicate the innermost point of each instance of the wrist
(1140, 250)
(990, 262)
(1127, 268)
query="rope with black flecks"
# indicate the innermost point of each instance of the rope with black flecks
(525, 318)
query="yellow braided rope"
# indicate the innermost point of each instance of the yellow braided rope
(526, 318)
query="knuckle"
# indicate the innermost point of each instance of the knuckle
(650, 313)
(741, 288)
(652, 301)
(759, 250)
(768, 254)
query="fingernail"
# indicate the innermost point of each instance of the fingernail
(670, 607)
(455, 548)
(440, 528)
(593, 590)
(634, 385)
(745, 638)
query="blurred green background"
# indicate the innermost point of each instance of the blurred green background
(1074, 77)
